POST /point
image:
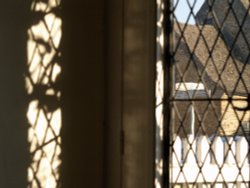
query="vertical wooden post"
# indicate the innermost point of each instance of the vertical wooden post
(231, 185)
(241, 150)
(241, 185)
(202, 150)
(230, 151)
(189, 150)
(218, 148)
(177, 153)
(218, 185)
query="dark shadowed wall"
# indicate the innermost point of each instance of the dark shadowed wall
(107, 86)
(83, 93)
(14, 156)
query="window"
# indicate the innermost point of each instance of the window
(202, 88)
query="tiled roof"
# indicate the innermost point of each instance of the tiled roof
(210, 60)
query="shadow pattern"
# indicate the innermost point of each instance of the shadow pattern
(42, 83)
(209, 68)
(159, 92)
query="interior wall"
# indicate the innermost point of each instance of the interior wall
(108, 65)
(83, 93)
(130, 56)
(139, 93)
(14, 155)
(113, 92)
(82, 98)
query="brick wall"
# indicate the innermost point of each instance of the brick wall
(233, 118)
(229, 24)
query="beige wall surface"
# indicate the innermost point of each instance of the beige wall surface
(113, 92)
(83, 93)
(14, 157)
(108, 63)
(138, 103)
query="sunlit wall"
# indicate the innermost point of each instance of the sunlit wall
(159, 92)
(43, 88)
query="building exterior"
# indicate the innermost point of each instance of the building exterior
(214, 54)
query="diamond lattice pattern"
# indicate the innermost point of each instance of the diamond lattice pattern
(42, 86)
(210, 102)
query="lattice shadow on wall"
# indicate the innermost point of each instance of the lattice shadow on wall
(43, 88)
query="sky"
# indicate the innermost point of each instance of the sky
(183, 10)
